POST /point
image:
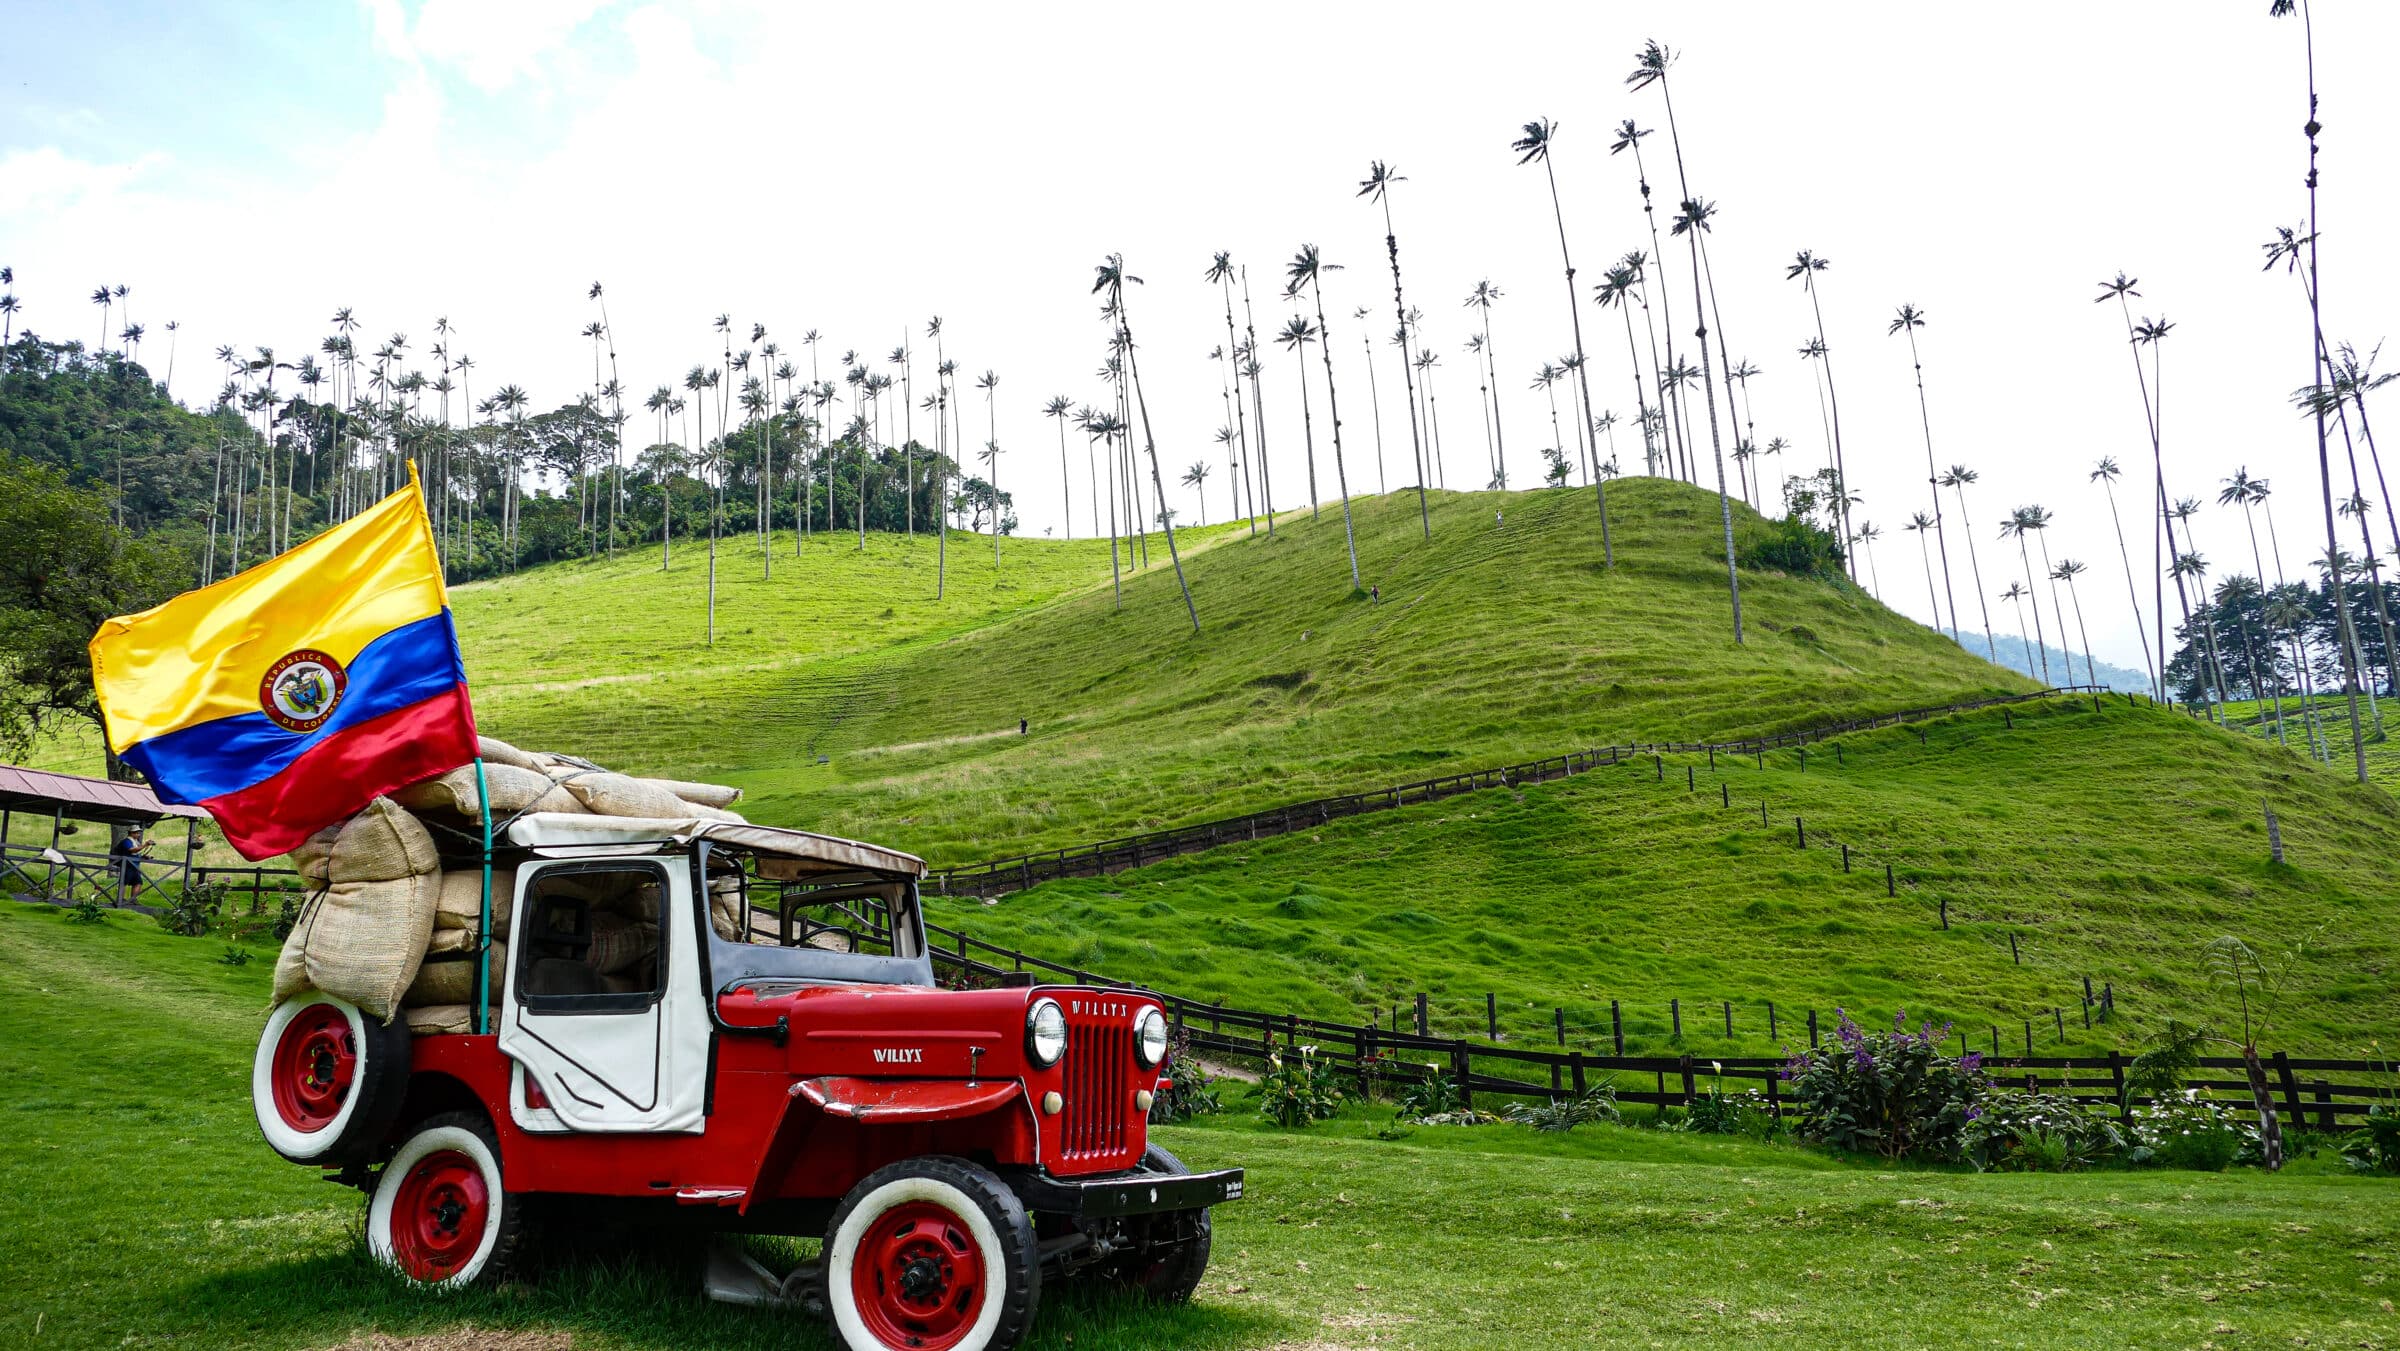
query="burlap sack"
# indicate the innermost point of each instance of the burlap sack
(697, 811)
(619, 944)
(381, 844)
(497, 752)
(725, 909)
(460, 907)
(453, 982)
(291, 964)
(314, 857)
(441, 1020)
(363, 941)
(702, 794)
(512, 791)
(618, 795)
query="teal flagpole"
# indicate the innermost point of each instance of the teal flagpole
(483, 934)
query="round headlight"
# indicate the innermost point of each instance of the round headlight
(1045, 1033)
(1150, 1038)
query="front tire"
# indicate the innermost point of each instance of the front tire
(931, 1254)
(442, 1216)
(1169, 1271)
(327, 1081)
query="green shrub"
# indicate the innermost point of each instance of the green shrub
(1190, 1090)
(194, 909)
(2039, 1133)
(1296, 1092)
(234, 955)
(1435, 1094)
(1598, 1103)
(86, 911)
(2375, 1147)
(1894, 1094)
(2189, 1131)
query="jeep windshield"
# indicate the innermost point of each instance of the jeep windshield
(768, 932)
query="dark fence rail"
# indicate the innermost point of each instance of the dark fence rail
(1371, 1055)
(1001, 876)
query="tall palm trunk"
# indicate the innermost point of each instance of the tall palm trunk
(1252, 367)
(1733, 580)
(1583, 381)
(1133, 370)
(1933, 478)
(1235, 361)
(1975, 570)
(1841, 467)
(2091, 672)
(1408, 377)
(2131, 593)
(1366, 340)
(1333, 407)
(2316, 319)
(2258, 565)
(1678, 445)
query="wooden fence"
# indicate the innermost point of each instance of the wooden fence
(998, 877)
(2326, 1094)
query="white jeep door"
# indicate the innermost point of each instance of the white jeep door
(601, 1009)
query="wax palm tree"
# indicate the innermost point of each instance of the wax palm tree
(1377, 186)
(2019, 526)
(1111, 282)
(102, 297)
(1427, 361)
(1366, 342)
(1692, 222)
(2319, 356)
(9, 305)
(1196, 479)
(989, 382)
(1297, 333)
(1307, 272)
(1805, 266)
(1629, 137)
(1220, 272)
(1481, 299)
(2353, 379)
(1908, 320)
(1921, 525)
(2105, 474)
(2067, 571)
(1743, 451)
(1617, 289)
(2016, 592)
(1059, 409)
(1956, 479)
(1532, 146)
(1867, 535)
(1546, 380)
(2246, 492)
(1483, 385)
(2195, 568)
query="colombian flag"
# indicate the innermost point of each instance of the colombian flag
(286, 698)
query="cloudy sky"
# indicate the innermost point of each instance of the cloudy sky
(858, 169)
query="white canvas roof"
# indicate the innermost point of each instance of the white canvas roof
(810, 852)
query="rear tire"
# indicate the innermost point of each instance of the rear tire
(931, 1254)
(442, 1216)
(327, 1081)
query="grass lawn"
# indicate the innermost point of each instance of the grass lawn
(139, 1208)
(2109, 844)
(2257, 719)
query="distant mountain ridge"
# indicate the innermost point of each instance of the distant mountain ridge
(2012, 650)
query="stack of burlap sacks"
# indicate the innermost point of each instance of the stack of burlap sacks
(387, 928)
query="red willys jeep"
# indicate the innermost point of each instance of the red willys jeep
(777, 1061)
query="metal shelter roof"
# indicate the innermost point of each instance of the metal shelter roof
(82, 799)
(806, 852)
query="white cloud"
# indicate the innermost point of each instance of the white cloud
(48, 181)
(492, 45)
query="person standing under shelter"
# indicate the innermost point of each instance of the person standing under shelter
(129, 853)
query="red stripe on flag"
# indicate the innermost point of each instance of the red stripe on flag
(340, 775)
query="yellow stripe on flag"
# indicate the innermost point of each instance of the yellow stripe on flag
(203, 654)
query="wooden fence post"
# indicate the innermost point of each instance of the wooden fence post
(1845, 858)
(1421, 1015)
(1561, 1016)
(1575, 1070)
(1675, 1011)
(1770, 1020)
(1800, 831)
(1686, 1067)
(1724, 794)
(1361, 1044)
(1945, 902)
(2324, 1096)
(2013, 958)
(1889, 888)
(1812, 1029)
(1729, 1019)
(2116, 1077)
(1691, 784)
(2291, 1088)
(1491, 1015)
(1462, 1064)
(2029, 1037)
(1775, 1095)
(1616, 1025)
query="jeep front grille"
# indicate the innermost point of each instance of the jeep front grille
(1099, 1068)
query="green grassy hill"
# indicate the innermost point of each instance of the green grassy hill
(2109, 844)
(1500, 639)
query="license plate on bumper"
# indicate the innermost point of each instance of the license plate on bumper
(1128, 1194)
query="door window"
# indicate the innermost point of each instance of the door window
(589, 938)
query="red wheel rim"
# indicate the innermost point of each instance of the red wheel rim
(439, 1215)
(917, 1277)
(315, 1061)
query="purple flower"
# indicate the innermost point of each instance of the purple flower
(1971, 1062)
(1900, 1020)
(1973, 1111)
